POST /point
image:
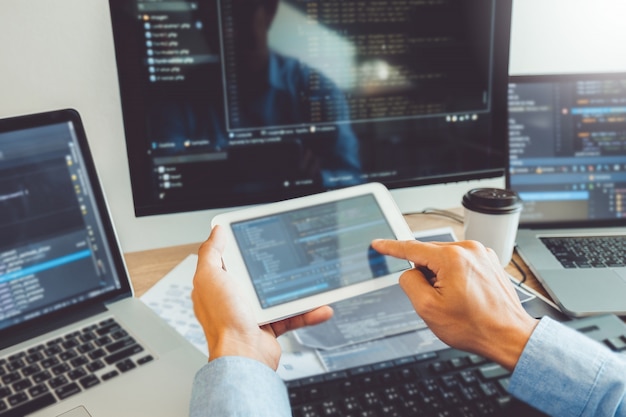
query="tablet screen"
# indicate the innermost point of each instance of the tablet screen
(308, 251)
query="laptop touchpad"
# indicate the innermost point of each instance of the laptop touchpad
(622, 273)
(76, 412)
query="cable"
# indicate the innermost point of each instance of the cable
(438, 212)
(519, 268)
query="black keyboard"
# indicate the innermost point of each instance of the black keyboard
(588, 251)
(445, 383)
(48, 372)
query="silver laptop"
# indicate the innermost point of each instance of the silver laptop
(74, 341)
(568, 163)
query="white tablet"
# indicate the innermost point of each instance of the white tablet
(299, 254)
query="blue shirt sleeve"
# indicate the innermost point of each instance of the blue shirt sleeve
(564, 373)
(236, 387)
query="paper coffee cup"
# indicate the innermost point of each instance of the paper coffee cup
(492, 217)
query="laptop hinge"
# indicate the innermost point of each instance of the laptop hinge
(37, 328)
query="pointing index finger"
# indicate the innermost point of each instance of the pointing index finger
(411, 250)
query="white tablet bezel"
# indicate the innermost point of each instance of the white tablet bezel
(234, 262)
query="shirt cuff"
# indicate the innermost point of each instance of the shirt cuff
(238, 386)
(558, 370)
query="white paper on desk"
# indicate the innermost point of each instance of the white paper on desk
(442, 234)
(371, 316)
(170, 298)
(388, 348)
(297, 361)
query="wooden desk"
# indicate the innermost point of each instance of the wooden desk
(147, 267)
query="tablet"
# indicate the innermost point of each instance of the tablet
(295, 255)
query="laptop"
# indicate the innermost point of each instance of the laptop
(567, 146)
(73, 339)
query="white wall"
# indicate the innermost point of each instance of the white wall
(59, 53)
(554, 36)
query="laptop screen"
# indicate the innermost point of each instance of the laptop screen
(567, 147)
(54, 252)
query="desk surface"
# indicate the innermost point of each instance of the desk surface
(147, 267)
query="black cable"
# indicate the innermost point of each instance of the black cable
(519, 268)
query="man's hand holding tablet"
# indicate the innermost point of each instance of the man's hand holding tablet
(299, 254)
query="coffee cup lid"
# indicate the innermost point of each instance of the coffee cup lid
(492, 201)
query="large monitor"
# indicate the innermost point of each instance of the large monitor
(236, 102)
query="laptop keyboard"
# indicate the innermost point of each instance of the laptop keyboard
(588, 251)
(445, 383)
(44, 374)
